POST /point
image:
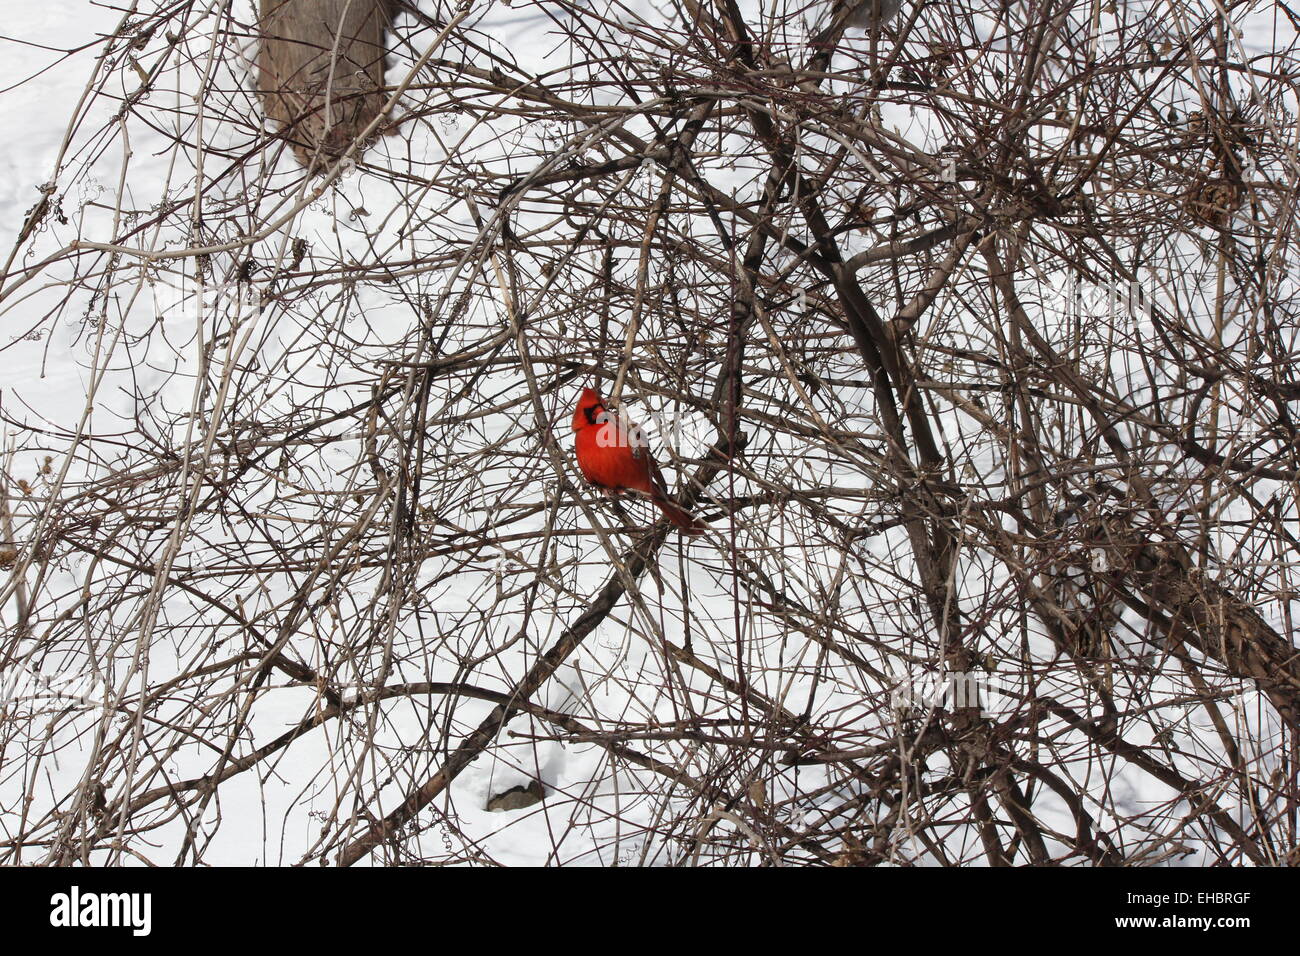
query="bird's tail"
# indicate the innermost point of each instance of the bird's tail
(680, 516)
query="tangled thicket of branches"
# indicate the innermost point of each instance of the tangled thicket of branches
(971, 335)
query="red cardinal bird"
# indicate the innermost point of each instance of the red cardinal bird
(614, 455)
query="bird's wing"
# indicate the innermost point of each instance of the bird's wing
(640, 445)
(631, 434)
(635, 438)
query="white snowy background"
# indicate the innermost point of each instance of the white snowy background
(102, 366)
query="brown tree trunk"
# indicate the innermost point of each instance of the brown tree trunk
(321, 70)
